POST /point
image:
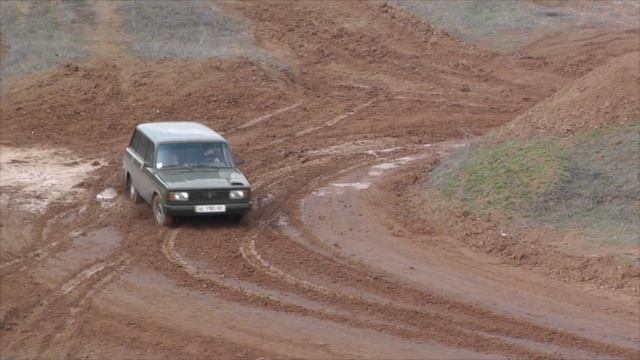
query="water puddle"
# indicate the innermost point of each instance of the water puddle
(33, 178)
(106, 197)
(379, 169)
(354, 185)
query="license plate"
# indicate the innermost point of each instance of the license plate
(211, 208)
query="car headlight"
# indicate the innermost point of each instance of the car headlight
(238, 194)
(179, 196)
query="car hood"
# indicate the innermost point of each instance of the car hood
(203, 179)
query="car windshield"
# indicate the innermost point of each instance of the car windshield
(194, 155)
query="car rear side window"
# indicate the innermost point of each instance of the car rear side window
(142, 145)
(148, 151)
(135, 141)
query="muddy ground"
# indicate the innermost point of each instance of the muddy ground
(325, 266)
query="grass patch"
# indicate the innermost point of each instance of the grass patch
(42, 34)
(589, 182)
(506, 25)
(189, 30)
(601, 189)
(494, 21)
(507, 176)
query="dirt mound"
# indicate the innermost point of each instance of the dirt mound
(83, 105)
(370, 61)
(608, 95)
(575, 53)
(567, 204)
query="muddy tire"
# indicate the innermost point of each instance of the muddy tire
(159, 214)
(133, 193)
(236, 218)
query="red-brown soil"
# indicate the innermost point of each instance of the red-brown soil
(608, 95)
(322, 268)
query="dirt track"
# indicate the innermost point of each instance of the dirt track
(322, 268)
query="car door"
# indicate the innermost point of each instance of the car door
(135, 158)
(132, 158)
(147, 171)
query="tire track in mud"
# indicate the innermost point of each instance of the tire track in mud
(423, 324)
(385, 318)
(334, 121)
(40, 252)
(68, 327)
(301, 133)
(253, 258)
(85, 275)
(33, 322)
(31, 258)
(250, 254)
(393, 320)
(440, 330)
(566, 340)
(169, 251)
(388, 311)
(168, 248)
(52, 317)
(262, 118)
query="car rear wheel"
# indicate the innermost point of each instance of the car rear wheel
(133, 193)
(159, 213)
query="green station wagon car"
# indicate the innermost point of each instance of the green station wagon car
(184, 169)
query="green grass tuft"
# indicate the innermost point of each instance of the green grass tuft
(506, 176)
(589, 182)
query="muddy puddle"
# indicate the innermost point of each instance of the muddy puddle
(33, 178)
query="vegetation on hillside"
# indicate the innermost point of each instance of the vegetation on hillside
(188, 30)
(507, 25)
(589, 181)
(38, 35)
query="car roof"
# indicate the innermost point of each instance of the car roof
(178, 131)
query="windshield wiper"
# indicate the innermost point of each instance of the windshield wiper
(211, 166)
(177, 167)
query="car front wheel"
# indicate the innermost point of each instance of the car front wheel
(159, 213)
(133, 193)
(237, 218)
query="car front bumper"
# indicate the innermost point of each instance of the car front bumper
(189, 210)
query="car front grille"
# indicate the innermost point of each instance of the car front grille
(208, 196)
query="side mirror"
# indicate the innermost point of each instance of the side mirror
(237, 160)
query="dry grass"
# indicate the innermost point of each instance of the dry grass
(40, 34)
(37, 35)
(189, 30)
(507, 25)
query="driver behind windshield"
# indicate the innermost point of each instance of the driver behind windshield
(212, 156)
(190, 155)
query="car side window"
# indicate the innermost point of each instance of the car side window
(142, 146)
(135, 140)
(149, 150)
